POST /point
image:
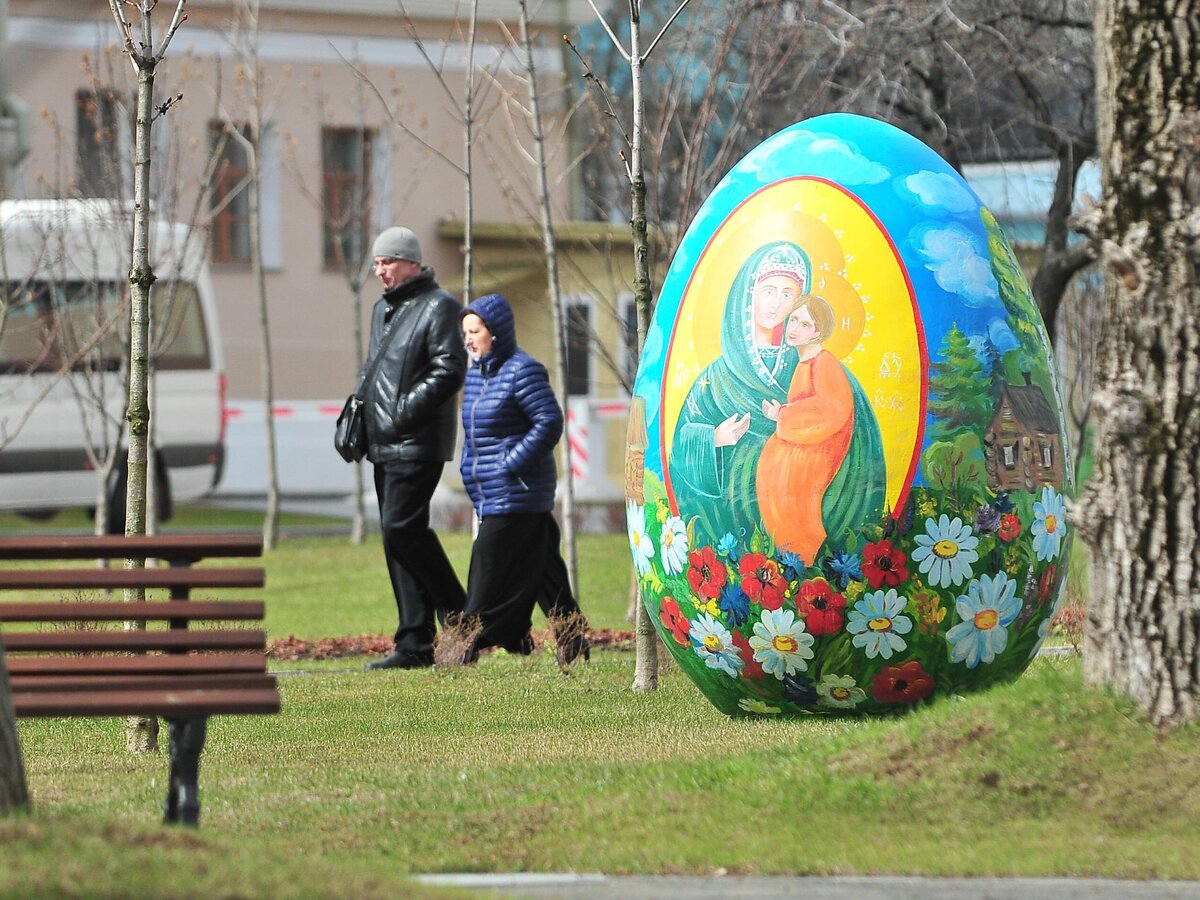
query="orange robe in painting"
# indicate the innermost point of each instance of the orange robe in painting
(800, 459)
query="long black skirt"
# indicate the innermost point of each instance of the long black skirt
(516, 564)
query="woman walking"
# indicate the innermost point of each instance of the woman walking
(511, 423)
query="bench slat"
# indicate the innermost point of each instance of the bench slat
(176, 639)
(170, 703)
(137, 665)
(28, 684)
(117, 611)
(178, 547)
(157, 576)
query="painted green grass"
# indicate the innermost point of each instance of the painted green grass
(509, 766)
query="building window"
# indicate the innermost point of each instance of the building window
(579, 348)
(103, 130)
(1010, 456)
(1047, 456)
(230, 194)
(346, 194)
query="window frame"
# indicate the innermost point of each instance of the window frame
(104, 126)
(337, 184)
(586, 303)
(234, 205)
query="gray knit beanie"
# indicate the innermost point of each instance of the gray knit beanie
(397, 242)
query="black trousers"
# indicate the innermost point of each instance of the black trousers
(423, 580)
(515, 564)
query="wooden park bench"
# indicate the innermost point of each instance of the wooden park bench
(71, 654)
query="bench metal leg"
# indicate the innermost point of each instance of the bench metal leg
(183, 788)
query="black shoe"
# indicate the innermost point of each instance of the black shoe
(523, 647)
(400, 659)
(571, 649)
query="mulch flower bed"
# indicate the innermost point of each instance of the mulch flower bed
(294, 648)
(1069, 619)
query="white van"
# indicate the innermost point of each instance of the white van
(64, 323)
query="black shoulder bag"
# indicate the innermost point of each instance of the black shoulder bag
(350, 436)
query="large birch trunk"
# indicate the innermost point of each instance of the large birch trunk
(1141, 514)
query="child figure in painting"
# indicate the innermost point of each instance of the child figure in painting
(825, 432)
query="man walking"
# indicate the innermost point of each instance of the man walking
(410, 415)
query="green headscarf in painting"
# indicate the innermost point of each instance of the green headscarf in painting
(716, 484)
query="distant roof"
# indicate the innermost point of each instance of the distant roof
(1021, 191)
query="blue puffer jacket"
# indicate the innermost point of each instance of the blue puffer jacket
(511, 422)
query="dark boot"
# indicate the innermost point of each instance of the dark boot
(571, 648)
(401, 659)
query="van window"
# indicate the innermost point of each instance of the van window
(26, 343)
(85, 323)
(180, 339)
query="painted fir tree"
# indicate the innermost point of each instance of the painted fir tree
(1023, 317)
(960, 395)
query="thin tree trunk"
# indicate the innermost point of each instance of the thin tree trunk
(151, 459)
(550, 250)
(645, 674)
(358, 528)
(14, 793)
(1141, 514)
(271, 518)
(141, 277)
(141, 733)
(253, 149)
(468, 140)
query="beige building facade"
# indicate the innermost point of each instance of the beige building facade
(352, 118)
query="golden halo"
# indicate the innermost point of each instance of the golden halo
(849, 316)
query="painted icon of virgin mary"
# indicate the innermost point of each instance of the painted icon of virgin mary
(722, 429)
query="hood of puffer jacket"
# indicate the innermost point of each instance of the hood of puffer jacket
(498, 316)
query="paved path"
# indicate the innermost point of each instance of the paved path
(645, 887)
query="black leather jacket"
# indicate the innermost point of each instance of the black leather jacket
(410, 407)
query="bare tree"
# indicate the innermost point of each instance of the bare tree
(1141, 512)
(347, 200)
(978, 80)
(467, 111)
(145, 54)
(531, 113)
(248, 135)
(645, 676)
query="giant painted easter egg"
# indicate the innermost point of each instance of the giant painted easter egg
(847, 461)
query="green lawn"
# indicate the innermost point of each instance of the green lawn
(325, 586)
(366, 778)
(318, 587)
(510, 766)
